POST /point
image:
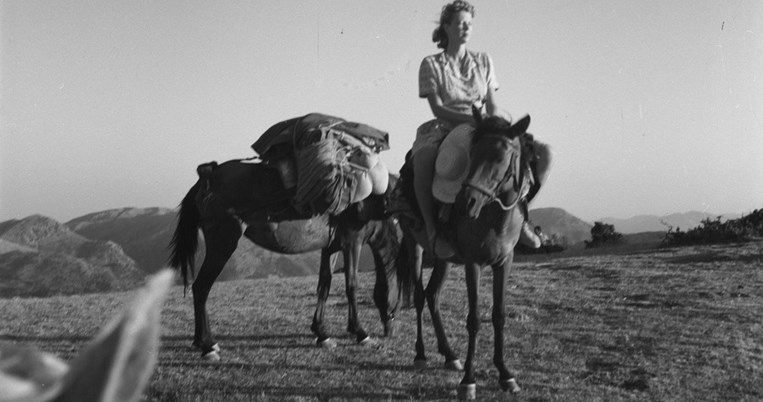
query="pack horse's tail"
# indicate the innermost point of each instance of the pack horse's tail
(185, 240)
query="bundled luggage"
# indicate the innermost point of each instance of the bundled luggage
(330, 162)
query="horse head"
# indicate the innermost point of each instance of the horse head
(495, 173)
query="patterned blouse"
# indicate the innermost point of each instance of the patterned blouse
(458, 86)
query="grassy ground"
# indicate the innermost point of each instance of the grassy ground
(678, 324)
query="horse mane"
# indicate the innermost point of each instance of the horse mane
(493, 125)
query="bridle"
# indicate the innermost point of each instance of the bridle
(513, 171)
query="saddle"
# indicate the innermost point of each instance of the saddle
(330, 162)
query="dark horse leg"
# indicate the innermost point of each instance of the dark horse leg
(431, 296)
(387, 294)
(351, 262)
(324, 286)
(467, 389)
(506, 377)
(384, 248)
(221, 240)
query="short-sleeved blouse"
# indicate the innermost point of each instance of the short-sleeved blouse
(459, 87)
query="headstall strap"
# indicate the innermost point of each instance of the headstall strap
(511, 172)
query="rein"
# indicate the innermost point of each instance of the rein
(493, 195)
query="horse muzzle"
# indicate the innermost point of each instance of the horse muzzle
(475, 197)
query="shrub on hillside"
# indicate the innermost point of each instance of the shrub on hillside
(746, 228)
(603, 234)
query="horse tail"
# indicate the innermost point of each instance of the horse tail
(185, 240)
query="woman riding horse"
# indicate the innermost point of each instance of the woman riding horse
(484, 226)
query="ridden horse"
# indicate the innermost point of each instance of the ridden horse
(236, 192)
(484, 226)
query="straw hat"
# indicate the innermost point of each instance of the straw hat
(452, 165)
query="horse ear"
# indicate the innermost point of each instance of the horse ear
(522, 124)
(477, 114)
(117, 365)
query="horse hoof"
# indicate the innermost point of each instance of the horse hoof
(389, 328)
(212, 356)
(420, 364)
(510, 385)
(369, 342)
(197, 346)
(467, 392)
(454, 365)
(327, 343)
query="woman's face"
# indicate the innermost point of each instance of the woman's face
(459, 28)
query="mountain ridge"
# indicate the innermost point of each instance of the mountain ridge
(661, 223)
(42, 257)
(115, 248)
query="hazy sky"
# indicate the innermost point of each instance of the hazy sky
(650, 106)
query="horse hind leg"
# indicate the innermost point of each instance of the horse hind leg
(221, 240)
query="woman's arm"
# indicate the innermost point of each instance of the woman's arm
(490, 106)
(441, 111)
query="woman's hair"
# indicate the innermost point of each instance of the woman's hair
(446, 16)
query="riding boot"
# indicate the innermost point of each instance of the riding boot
(527, 235)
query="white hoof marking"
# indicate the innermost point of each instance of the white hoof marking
(327, 343)
(211, 356)
(467, 392)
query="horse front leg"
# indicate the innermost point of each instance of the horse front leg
(500, 276)
(387, 293)
(221, 241)
(324, 286)
(419, 300)
(432, 294)
(467, 389)
(351, 262)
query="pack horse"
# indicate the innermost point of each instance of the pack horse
(318, 184)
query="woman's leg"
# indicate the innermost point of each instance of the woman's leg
(423, 174)
(541, 169)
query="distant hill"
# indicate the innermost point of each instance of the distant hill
(41, 257)
(145, 233)
(655, 223)
(131, 242)
(562, 223)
